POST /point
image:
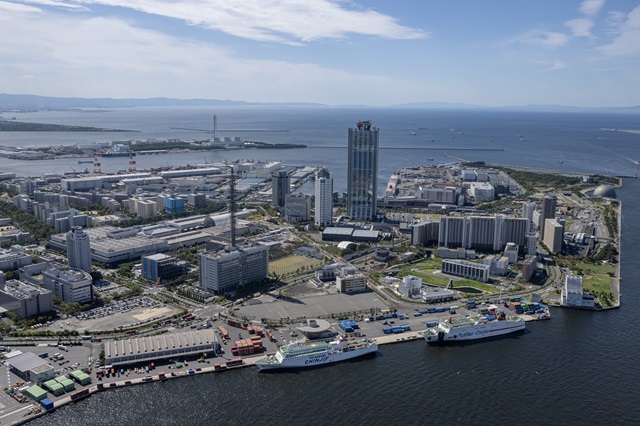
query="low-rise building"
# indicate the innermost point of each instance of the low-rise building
(410, 286)
(30, 367)
(349, 281)
(462, 268)
(13, 260)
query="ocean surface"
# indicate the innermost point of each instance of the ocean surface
(579, 368)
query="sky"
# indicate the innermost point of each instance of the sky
(336, 52)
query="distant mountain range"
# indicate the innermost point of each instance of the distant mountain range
(10, 102)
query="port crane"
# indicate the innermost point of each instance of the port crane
(215, 129)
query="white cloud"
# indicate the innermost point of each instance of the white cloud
(75, 56)
(627, 41)
(15, 7)
(591, 7)
(282, 21)
(555, 65)
(580, 27)
(56, 3)
(549, 39)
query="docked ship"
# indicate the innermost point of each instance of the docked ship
(472, 328)
(310, 354)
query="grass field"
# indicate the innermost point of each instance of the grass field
(291, 264)
(596, 278)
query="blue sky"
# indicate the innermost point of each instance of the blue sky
(486, 52)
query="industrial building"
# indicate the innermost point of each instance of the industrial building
(362, 173)
(137, 349)
(463, 268)
(410, 286)
(435, 294)
(349, 234)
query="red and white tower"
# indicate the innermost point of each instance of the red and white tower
(132, 163)
(96, 166)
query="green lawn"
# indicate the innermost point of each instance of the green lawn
(291, 264)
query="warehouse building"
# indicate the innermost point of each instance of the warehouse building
(150, 348)
(30, 367)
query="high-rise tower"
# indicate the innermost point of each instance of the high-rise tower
(362, 173)
(323, 215)
(280, 186)
(78, 249)
(547, 211)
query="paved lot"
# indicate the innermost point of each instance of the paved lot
(311, 307)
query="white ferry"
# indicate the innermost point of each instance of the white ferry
(473, 328)
(309, 354)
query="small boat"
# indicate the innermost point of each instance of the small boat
(412, 133)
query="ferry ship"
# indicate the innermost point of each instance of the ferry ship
(310, 354)
(473, 328)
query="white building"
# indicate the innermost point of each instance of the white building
(511, 251)
(573, 296)
(499, 264)
(462, 268)
(226, 271)
(70, 285)
(532, 244)
(410, 286)
(323, 192)
(79, 249)
(481, 191)
(527, 210)
(349, 281)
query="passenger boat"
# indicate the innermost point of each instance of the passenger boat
(473, 328)
(309, 354)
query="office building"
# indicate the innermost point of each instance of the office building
(532, 244)
(79, 250)
(12, 260)
(511, 251)
(297, 208)
(26, 300)
(553, 235)
(158, 267)
(226, 271)
(527, 210)
(362, 172)
(196, 200)
(349, 281)
(280, 186)
(529, 267)
(323, 215)
(173, 204)
(462, 268)
(547, 211)
(70, 285)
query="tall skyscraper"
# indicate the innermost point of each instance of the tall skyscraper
(78, 249)
(280, 187)
(323, 199)
(362, 173)
(547, 211)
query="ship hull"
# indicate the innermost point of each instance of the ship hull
(317, 360)
(474, 333)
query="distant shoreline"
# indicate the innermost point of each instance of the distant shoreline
(20, 126)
